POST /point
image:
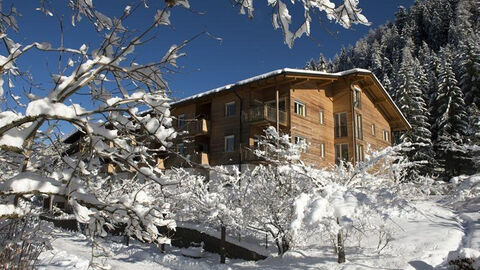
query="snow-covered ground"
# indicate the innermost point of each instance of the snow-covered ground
(422, 240)
(72, 251)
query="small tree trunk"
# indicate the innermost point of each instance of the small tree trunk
(279, 246)
(127, 240)
(341, 247)
(222, 244)
(285, 244)
(266, 241)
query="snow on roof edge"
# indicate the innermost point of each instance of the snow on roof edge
(270, 74)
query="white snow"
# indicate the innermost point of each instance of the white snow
(45, 106)
(423, 239)
(72, 251)
(8, 117)
(28, 182)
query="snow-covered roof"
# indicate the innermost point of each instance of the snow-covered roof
(271, 74)
(293, 71)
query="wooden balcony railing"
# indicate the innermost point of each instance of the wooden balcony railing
(198, 127)
(267, 113)
(200, 158)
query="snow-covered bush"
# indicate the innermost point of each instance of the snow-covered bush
(356, 200)
(465, 188)
(212, 202)
(272, 188)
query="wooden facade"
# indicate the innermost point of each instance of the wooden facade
(221, 126)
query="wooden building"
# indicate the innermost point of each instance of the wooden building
(338, 115)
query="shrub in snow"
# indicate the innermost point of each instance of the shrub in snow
(22, 241)
(465, 188)
(271, 189)
(260, 199)
(357, 199)
(464, 259)
(213, 202)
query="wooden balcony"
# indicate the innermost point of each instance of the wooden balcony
(200, 158)
(266, 114)
(199, 127)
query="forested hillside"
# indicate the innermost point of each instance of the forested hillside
(428, 59)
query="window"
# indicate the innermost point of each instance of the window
(301, 141)
(230, 109)
(373, 129)
(340, 120)
(341, 152)
(300, 108)
(230, 143)
(181, 150)
(320, 117)
(322, 150)
(181, 120)
(358, 126)
(357, 97)
(386, 135)
(359, 155)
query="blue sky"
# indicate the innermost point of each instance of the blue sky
(252, 47)
(249, 47)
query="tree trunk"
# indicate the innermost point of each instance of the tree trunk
(285, 244)
(222, 244)
(341, 247)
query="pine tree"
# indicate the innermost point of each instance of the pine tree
(311, 65)
(451, 121)
(474, 135)
(418, 16)
(401, 18)
(410, 101)
(424, 56)
(376, 60)
(469, 67)
(433, 74)
(344, 60)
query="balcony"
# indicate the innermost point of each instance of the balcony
(267, 114)
(200, 158)
(198, 127)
